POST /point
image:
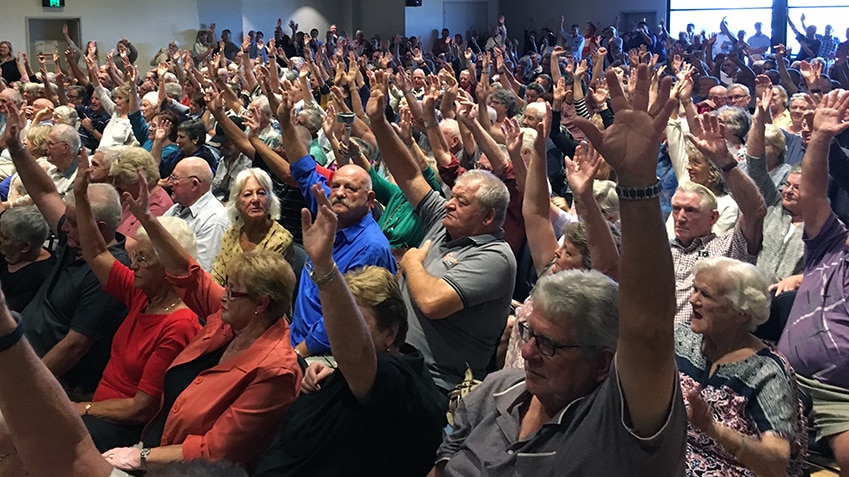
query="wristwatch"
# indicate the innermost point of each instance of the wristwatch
(143, 457)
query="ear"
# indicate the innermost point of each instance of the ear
(714, 216)
(370, 196)
(488, 216)
(603, 359)
(263, 305)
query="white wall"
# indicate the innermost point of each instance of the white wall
(97, 22)
(424, 20)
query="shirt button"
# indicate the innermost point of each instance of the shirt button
(510, 451)
(175, 408)
(198, 380)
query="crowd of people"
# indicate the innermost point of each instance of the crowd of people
(585, 254)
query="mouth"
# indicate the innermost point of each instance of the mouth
(696, 315)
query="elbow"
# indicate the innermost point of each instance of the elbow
(432, 309)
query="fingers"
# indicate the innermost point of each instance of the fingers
(640, 94)
(589, 129)
(617, 96)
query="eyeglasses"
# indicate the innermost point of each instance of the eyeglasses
(546, 346)
(173, 178)
(51, 143)
(233, 295)
(73, 97)
(140, 260)
(736, 97)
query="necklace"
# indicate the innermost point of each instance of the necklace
(169, 307)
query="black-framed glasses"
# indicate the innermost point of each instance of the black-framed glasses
(545, 345)
(736, 97)
(233, 295)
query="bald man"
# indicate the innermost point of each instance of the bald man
(190, 184)
(359, 240)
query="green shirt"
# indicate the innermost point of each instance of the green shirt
(399, 221)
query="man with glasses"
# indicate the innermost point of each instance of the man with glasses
(599, 393)
(63, 146)
(738, 96)
(190, 184)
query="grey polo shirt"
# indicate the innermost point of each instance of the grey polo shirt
(590, 436)
(482, 270)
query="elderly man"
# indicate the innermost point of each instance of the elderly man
(456, 317)
(193, 201)
(599, 394)
(694, 213)
(71, 320)
(63, 146)
(816, 338)
(738, 95)
(359, 240)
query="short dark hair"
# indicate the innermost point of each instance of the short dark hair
(194, 129)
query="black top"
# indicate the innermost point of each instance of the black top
(291, 201)
(330, 433)
(10, 72)
(20, 287)
(72, 298)
(177, 379)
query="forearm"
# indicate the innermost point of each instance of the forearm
(754, 454)
(421, 286)
(489, 147)
(171, 254)
(65, 355)
(123, 410)
(49, 435)
(603, 251)
(745, 193)
(165, 454)
(278, 165)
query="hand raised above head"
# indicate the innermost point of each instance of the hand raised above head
(320, 233)
(139, 206)
(631, 144)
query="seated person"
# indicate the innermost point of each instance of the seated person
(593, 371)
(25, 263)
(254, 210)
(381, 389)
(227, 393)
(190, 184)
(71, 320)
(743, 401)
(45, 430)
(816, 338)
(124, 174)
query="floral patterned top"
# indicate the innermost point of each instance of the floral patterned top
(278, 239)
(752, 396)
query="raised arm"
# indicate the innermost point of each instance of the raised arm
(755, 152)
(536, 205)
(711, 143)
(829, 121)
(46, 431)
(39, 186)
(349, 336)
(95, 251)
(645, 358)
(407, 174)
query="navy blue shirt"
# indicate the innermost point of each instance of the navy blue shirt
(355, 247)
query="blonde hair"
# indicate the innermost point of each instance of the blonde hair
(265, 274)
(124, 167)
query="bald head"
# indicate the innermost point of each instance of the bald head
(196, 166)
(190, 180)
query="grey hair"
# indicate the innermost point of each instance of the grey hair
(491, 194)
(509, 100)
(68, 115)
(605, 195)
(264, 106)
(105, 204)
(25, 225)
(745, 287)
(177, 228)
(311, 120)
(264, 181)
(587, 299)
(174, 91)
(110, 154)
(68, 135)
(774, 136)
(740, 86)
(708, 197)
(736, 120)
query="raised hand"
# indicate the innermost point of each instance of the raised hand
(710, 140)
(139, 206)
(699, 412)
(630, 145)
(830, 115)
(376, 104)
(404, 128)
(514, 137)
(599, 92)
(581, 170)
(12, 134)
(319, 234)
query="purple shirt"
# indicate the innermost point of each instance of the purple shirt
(816, 337)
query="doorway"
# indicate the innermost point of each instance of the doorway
(44, 35)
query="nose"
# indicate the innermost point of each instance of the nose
(529, 350)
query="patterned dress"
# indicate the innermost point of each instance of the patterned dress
(752, 396)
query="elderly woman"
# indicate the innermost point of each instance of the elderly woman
(254, 209)
(778, 108)
(227, 393)
(737, 123)
(584, 245)
(158, 326)
(66, 115)
(742, 401)
(25, 263)
(124, 174)
(118, 130)
(798, 108)
(381, 389)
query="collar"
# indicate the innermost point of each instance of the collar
(517, 395)
(696, 244)
(351, 232)
(197, 206)
(481, 239)
(72, 168)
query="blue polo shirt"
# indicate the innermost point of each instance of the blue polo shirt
(355, 247)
